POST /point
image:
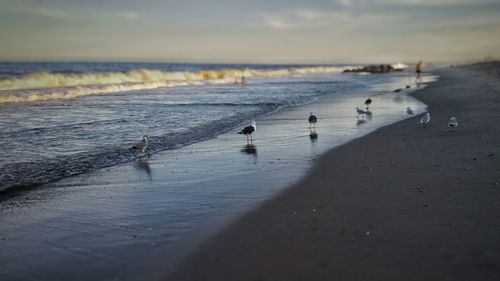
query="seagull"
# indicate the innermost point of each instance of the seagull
(409, 111)
(425, 119)
(368, 102)
(312, 120)
(248, 130)
(142, 146)
(452, 122)
(360, 112)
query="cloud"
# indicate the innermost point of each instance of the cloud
(127, 15)
(68, 14)
(53, 11)
(295, 19)
(278, 23)
(298, 19)
(346, 3)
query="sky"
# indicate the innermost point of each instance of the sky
(252, 31)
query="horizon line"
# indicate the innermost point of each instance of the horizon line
(162, 61)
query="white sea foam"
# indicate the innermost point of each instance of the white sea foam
(44, 86)
(37, 95)
(400, 65)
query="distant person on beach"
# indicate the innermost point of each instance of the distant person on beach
(420, 69)
(243, 81)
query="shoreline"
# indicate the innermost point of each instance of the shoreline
(422, 206)
(127, 221)
(32, 172)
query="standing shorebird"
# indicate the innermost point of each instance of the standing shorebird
(248, 130)
(452, 123)
(367, 103)
(409, 111)
(425, 119)
(142, 146)
(312, 120)
(360, 112)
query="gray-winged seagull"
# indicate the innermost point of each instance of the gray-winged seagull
(452, 122)
(312, 120)
(248, 130)
(142, 146)
(426, 118)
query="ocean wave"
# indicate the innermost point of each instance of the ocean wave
(44, 86)
(37, 95)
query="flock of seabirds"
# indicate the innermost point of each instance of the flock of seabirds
(249, 130)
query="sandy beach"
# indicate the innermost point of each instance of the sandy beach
(403, 203)
(136, 220)
(250, 140)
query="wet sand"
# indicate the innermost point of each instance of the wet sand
(136, 220)
(403, 203)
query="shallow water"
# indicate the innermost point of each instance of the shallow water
(136, 220)
(65, 135)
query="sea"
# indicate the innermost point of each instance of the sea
(62, 119)
(77, 203)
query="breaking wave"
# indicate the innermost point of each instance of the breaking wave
(43, 86)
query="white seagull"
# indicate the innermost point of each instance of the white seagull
(409, 111)
(312, 120)
(142, 146)
(452, 122)
(426, 118)
(248, 130)
(360, 111)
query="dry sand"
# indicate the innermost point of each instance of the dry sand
(404, 203)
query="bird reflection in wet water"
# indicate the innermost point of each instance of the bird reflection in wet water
(249, 149)
(398, 98)
(369, 114)
(313, 135)
(143, 165)
(360, 122)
